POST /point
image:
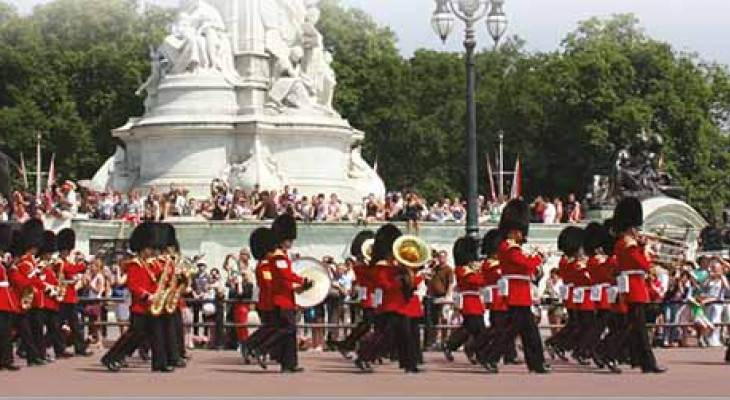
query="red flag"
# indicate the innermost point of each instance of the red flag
(492, 190)
(517, 181)
(52, 171)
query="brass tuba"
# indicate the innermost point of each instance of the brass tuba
(411, 251)
(62, 286)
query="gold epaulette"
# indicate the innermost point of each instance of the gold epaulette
(602, 259)
(278, 253)
(491, 263)
(511, 244)
(382, 263)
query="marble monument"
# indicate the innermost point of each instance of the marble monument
(242, 90)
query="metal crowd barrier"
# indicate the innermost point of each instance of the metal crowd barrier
(220, 324)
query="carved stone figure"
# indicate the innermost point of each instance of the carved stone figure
(360, 171)
(199, 41)
(153, 82)
(261, 168)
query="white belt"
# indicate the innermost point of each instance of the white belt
(602, 285)
(517, 278)
(471, 293)
(634, 272)
(4, 284)
(623, 279)
(68, 282)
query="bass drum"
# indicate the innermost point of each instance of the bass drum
(316, 272)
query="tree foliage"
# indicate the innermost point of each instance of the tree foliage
(70, 69)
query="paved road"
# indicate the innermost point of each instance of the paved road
(693, 372)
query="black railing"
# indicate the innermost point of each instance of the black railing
(220, 324)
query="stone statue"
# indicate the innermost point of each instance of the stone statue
(292, 89)
(317, 62)
(261, 168)
(153, 82)
(365, 176)
(199, 42)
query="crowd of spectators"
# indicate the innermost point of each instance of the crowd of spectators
(66, 201)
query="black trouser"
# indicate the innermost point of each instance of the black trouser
(27, 340)
(69, 316)
(52, 322)
(143, 327)
(416, 338)
(6, 342)
(596, 325)
(197, 313)
(612, 346)
(407, 349)
(564, 339)
(360, 330)
(524, 325)
(267, 327)
(458, 338)
(376, 342)
(171, 342)
(284, 342)
(641, 352)
(35, 322)
(496, 342)
(177, 320)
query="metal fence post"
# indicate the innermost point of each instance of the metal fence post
(220, 323)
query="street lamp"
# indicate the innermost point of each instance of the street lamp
(442, 21)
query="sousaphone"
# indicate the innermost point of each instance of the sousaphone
(411, 251)
(367, 250)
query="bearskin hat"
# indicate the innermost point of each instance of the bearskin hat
(16, 244)
(465, 250)
(360, 239)
(628, 214)
(168, 237)
(66, 240)
(596, 237)
(490, 243)
(6, 237)
(571, 240)
(143, 237)
(32, 232)
(49, 243)
(284, 228)
(384, 239)
(515, 216)
(608, 247)
(262, 242)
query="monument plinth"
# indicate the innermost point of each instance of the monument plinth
(247, 99)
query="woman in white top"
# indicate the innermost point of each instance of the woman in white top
(715, 287)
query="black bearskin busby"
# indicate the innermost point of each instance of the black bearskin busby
(66, 240)
(465, 250)
(628, 214)
(596, 237)
(491, 242)
(49, 243)
(611, 238)
(143, 237)
(32, 232)
(262, 242)
(515, 216)
(571, 240)
(284, 228)
(169, 238)
(6, 237)
(360, 239)
(384, 239)
(16, 242)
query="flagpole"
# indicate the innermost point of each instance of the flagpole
(38, 167)
(501, 165)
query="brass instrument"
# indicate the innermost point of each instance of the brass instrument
(62, 287)
(411, 251)
(159, 298)
(668, 252)
(184, 268)
(473, 268)
(367, 250)
(26, 298)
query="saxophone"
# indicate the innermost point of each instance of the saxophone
(180, 282)
(159, 298)
(62, 287)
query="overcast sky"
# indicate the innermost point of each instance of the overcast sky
(700, 26)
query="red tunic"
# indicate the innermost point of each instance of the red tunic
(387, 280)
(413, 308)
(49, 277)
(284, 281)
(469, 285)
(70, 270)
(22, 276)
(265, 282)
(518, 269)
(581, 279)
(633, 264)
(492, 273)
(365, 278)
(142, 284)
(600, 273)
(619, 305)
(8, 297)
(564, 273)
